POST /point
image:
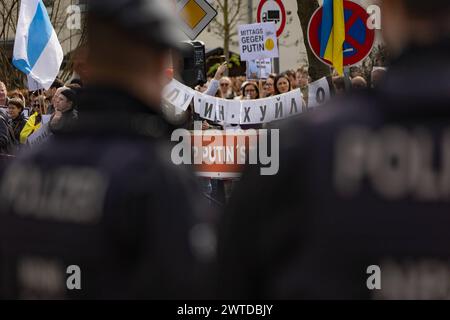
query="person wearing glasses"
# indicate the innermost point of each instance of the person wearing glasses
(250, 91)
(226, 91)
(269, 86)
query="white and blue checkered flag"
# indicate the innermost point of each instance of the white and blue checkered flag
(37, 51)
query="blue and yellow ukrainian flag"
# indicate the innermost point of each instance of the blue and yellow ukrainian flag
(333, 34)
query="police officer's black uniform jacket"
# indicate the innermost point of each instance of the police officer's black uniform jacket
(363, 183)
(102, 196)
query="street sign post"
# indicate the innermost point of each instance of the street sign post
(195, 15)
(272, 11)
(359, 39)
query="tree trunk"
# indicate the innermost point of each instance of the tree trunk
(306, 8)
(226, 31)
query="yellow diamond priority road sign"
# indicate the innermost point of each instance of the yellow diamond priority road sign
(195, 15)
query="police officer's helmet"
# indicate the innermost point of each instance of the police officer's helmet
(151, 21)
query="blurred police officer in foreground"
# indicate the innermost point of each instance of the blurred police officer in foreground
(361, 205)
(100, 211)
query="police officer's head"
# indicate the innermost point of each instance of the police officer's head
(414, 22)
(129, 43)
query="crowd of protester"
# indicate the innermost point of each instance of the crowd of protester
(23, 112)
(239, 88)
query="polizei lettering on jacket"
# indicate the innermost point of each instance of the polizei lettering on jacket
(396, 162)
(66, 194)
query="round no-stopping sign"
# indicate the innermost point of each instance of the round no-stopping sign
(272, 11)
(359, 39)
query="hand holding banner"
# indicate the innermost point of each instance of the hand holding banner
(246, 112)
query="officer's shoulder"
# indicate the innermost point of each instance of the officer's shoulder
(350, 108)
(147, 160)
(356, 109)
(112, 153)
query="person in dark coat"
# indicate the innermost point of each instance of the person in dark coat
(17, 118)
(100, 210)
(360, 206)
(65, 114)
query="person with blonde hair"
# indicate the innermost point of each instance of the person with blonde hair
(226, 90)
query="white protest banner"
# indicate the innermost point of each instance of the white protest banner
(318, 93)
(205, 106)
(178, 94)
(40, 136)
(253, 111)
(294, 102)
(258, 41)
(198, 97)
(279, 108)
(228, 111)
(250, 113)
(259, 69)
(257, 111)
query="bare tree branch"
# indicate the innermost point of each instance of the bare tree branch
(9, 14)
